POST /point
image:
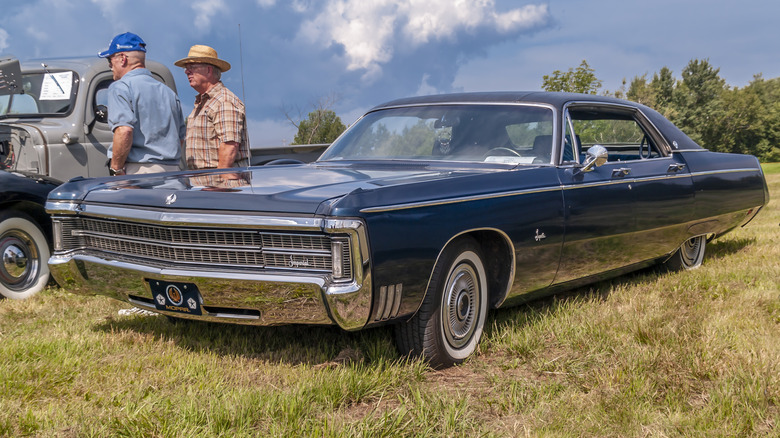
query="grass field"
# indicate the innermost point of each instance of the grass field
(648, 354)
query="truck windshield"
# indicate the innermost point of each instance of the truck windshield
(44, 93)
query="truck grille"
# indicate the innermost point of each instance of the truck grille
(203, 248)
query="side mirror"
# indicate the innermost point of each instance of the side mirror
(101, 113)
(595, 156)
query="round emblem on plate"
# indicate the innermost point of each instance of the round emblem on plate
(174, 295)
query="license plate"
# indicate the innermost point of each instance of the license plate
(176, 297)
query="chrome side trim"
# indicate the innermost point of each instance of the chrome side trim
(432, 203)
(723, 171)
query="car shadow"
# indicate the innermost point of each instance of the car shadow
(722, 248)
(292, 345)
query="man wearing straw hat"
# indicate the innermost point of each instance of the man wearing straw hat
(216, 128)
(143, 113)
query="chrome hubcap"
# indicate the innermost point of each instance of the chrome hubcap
(19, 262)
(690, 251)
(461, 305)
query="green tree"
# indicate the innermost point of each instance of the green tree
(641, 92)
(663, 89)
(579, 80)
(752, 119)
(698, 103)
(321, 126)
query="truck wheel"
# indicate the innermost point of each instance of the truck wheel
(688, 256)
(448, 326)
(24, 270)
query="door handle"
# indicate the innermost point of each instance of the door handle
(675, 167)
(620, 173)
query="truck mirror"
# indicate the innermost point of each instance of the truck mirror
(101, 113)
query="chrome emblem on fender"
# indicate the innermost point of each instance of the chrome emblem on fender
(539, 236)
(170, 199)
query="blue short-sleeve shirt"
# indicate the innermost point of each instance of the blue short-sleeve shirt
(153, 110)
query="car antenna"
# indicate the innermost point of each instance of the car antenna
(241, 58)
(46, 69)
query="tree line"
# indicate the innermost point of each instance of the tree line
(719, 117)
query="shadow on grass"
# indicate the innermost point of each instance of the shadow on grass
(725, 247)
(292, 345)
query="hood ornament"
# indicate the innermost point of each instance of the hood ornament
(170, 199)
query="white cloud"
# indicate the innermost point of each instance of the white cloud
(205, 10)
(371, 31)
(425, 87)
(266, 3)
(109, 8)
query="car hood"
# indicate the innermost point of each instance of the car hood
(314, 188)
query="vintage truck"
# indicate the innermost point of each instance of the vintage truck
(53, 127)
(53, 117)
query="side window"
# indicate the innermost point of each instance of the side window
(618, 131)
(100, 103)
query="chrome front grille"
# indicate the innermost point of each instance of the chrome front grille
(203, 248)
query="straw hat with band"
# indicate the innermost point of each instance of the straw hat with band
(203, 55)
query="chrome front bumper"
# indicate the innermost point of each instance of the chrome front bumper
(256, 299)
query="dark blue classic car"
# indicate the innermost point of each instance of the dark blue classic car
(25, 232)
(426, 213)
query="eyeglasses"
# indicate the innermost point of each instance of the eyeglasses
(112, 56)
(193, 66)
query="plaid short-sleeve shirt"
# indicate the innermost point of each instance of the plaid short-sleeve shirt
(218, 117)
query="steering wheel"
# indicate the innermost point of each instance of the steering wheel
(504, 151)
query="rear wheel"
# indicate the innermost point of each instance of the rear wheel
(448, 326)
(24, 269)
(688, 256)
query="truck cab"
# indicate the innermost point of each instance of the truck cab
(53, 115)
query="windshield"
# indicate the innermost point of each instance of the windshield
(514, 134)
(43, 94)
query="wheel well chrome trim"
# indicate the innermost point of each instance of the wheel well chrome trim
(512, 264)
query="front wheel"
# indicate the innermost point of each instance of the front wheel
(25, 253)
(448, 326)
(688, 256)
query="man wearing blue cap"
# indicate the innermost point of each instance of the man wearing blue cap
(143, 113)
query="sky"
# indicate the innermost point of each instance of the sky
(289, 56)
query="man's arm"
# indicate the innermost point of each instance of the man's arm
(123, 141)
(228, 152)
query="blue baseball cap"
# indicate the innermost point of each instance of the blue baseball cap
(126, 42)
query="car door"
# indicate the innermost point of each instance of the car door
(629, 210)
